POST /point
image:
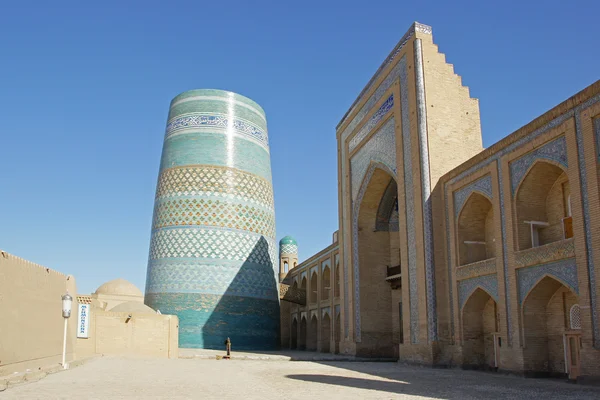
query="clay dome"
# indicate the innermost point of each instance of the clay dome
(133, 307)
(119, 287)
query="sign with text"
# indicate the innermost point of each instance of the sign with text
(83, 321)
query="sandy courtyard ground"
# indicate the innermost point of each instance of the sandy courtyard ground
(127, 378)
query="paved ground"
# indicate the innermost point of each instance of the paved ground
(126, 378)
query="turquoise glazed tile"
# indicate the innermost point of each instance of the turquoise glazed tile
(213, 255)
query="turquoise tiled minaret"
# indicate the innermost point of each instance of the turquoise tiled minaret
(213, 255)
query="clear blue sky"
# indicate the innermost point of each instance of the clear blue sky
(85, 90)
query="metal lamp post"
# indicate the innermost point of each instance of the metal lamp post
(67, 302)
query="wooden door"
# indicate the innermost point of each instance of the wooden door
(573, 342)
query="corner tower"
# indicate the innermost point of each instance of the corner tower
(288, 256)
(213, 252)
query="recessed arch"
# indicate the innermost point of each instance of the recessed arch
(313, 332)
(480, 323)
(302, 333)
(326, 283)
(325, 332)
(314, 287)
(476, 231)
(541, 205)
(544, 323)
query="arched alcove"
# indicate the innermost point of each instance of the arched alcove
(542, 206)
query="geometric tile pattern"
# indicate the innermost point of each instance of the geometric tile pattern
(215, 181)
(221, 244)
(488, 283)
(377, 116)
(555, 150)
(484, 267)
(213, 212)
(288, 248)
(565, 271)
(546, 253)
(212, 277)
(482, 185)
(214, 120)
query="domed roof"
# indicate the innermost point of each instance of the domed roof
(119, 287)
(133, 307)
(288, 240)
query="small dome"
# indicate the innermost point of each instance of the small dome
(119, 287)
(133, 307)
(288, 245)
(288, 240)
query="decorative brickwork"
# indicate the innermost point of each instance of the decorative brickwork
(544, 254)
(479, 268)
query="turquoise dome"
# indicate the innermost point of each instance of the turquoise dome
(288, 240)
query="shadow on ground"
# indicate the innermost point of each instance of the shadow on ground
(451, 384)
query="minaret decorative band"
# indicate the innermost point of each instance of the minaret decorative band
(213, 255)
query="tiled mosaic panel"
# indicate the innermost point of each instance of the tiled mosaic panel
(215, 181)
(546, 253)
(489, 283)
(385, 108)
(217, 101)
(218, 123)
(206, 320)
(213, 212)
(381, 148)
(565, 271)
(556, 151)
(289, 249)
(212, 277)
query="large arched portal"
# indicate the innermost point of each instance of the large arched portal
(378, 245)
(479, 324)
(546, 320)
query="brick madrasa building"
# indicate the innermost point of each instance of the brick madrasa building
(448, 253)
